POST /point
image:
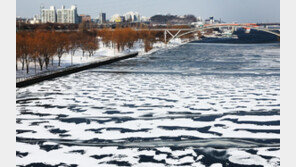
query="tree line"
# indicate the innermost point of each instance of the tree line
(122, 38)
(40, 47)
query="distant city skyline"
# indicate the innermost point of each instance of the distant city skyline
(227, 10)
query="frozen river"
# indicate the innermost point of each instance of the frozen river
(195, 105)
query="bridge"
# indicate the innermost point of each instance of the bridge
(181, 32)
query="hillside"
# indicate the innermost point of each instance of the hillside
(173, 19)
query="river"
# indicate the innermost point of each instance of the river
(193, 105)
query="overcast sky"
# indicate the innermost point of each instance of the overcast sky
(227, 10)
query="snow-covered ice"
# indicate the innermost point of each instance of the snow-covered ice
(193, 105)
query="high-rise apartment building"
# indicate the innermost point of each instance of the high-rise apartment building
(62, 15)
(102, 18)
(132, 17)
(49, 15)
(67, 15)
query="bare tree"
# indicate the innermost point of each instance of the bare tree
(46, 48)
(73, 44)
(92, 45)
(61, 44)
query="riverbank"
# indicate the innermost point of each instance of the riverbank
(79, 58)
(76, 63)
(69, 70)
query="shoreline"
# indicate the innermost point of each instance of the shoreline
(70, 70)
(30, 80)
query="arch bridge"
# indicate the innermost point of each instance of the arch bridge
(181, 32)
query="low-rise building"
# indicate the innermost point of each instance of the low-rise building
(116, 18)
(145, 19)
(35, 20)
(85, 18)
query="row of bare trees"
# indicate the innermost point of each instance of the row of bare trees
(40, 47)
(121, 38)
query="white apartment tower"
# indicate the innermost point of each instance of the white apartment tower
(62, 15)
(49, 15)
(67, 15)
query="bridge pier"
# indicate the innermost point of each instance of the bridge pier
(165, 36)
(172, 35)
